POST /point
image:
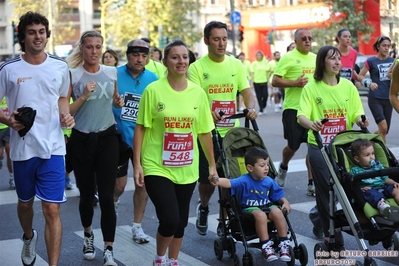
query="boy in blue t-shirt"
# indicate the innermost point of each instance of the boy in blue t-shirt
(375, 189)
(256, 189)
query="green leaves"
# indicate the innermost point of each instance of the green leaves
(344, 14)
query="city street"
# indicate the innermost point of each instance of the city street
(196, 250)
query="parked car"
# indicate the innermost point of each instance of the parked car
(363, 91)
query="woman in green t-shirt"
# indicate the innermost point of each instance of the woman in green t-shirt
(259, 70)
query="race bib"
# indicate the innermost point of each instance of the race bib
(346, 73)
(228, 108)
(131, 108)
(178, 149)
(331, 128)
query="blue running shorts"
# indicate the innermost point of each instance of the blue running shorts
(44, 178)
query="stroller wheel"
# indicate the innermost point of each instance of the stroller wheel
(292, 253)
(231, 246)
(218, 248)
(321, 251)
(391, 243)
(237, 261)
(369, 262)
(249, 258)
(303, 254)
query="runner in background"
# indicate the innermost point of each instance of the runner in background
(5, 145)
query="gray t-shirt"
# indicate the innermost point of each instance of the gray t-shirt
(96, 113)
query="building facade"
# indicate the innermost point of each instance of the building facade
(258, 17)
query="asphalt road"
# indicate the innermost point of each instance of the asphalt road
(196, 249)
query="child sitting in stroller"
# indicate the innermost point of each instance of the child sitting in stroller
(256, 190)
(376, 189)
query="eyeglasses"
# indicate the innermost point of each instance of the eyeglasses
(305, 38)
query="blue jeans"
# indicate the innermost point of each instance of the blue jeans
(373, 196)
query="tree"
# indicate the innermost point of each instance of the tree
(57, 12)
(344, 14)
(144, 17)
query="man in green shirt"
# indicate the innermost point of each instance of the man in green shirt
(221, 76)
(294, 70)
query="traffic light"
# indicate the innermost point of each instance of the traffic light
(14, 33)
(270, 37)
(229, 34)
(241, 33)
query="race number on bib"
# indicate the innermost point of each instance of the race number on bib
(228, 108)
(131, 108)
(178, 149)
(331, 128)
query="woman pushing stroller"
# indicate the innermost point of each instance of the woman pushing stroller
(337, 99)
(256, 190)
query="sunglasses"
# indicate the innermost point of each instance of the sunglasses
(304, 38)
(383, 38)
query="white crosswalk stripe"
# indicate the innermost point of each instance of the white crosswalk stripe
(308, 242)
(130, 253)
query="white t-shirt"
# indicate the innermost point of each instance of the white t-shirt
(39, 87)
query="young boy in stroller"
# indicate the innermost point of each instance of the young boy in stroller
(377, 189)
(255, 190)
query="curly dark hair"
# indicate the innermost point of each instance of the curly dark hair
(360, 144)
(30, 18)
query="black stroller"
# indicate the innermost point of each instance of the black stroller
(357, 217)
(239, 226)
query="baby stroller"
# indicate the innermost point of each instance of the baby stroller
(240, 226)
(357, 217)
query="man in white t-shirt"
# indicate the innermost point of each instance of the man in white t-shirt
(40, 81)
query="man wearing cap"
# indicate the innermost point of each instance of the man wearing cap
(133, 78)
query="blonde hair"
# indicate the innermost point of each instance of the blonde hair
(75, 59)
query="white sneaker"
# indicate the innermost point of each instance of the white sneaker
(285, 251)
(11, 183)
(276, 109)
(281, 178)
(28, 254)
(311, 191)
(89, 251)
(268, 251)
(139, 236)
(108, 257)
(384, 208)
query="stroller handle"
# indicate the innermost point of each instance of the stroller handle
(241, 115)
(392, 172)
(317, 136)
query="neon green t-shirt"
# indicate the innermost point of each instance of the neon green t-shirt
(247, 65)
(220, 81)
(319, 100)
(156, 67)
(4, 108)
(260, 68)
(186, 114)
(272, 66)
(290, 67)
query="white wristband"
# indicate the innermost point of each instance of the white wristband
(366, 82)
